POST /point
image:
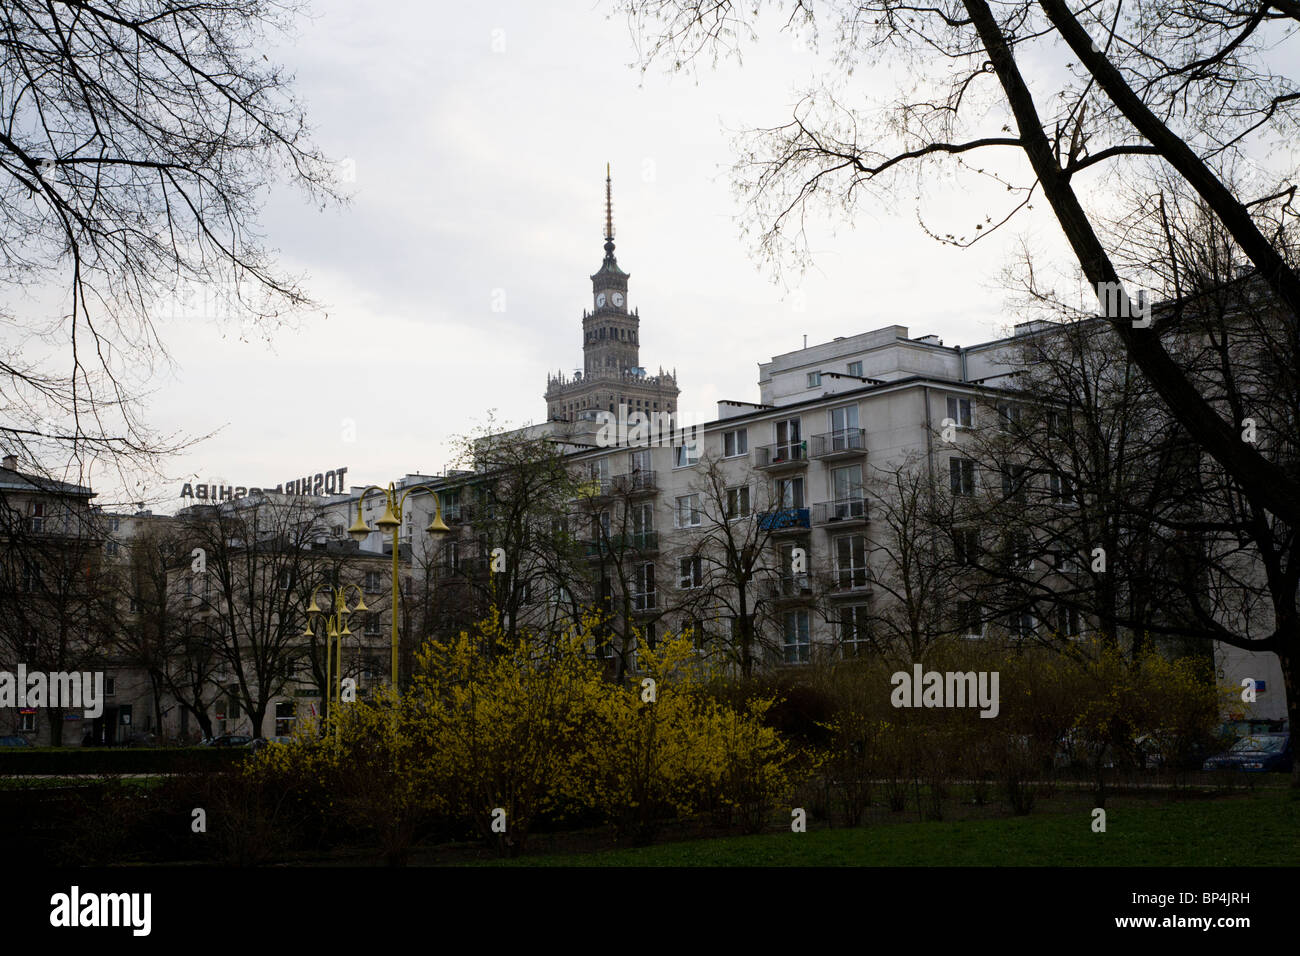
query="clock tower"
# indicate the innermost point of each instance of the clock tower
(611, 370)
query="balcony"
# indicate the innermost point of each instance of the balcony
(785, 521)
(847, 512)
(644, 542)
(787, 456)
(635, 484)
(789, 589)
(849, 583)
(843, 444)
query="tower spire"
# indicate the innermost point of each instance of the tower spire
(609, 215)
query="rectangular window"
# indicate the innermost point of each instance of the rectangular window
(735, 443)
(643, 593)
(372, 624)
(959, 410)
(27, 722)
(284, 718)
(966, 546)
(853, 630)
(638, 461)
(789, 441)
(969, 618)
(37, 522)
(373, 578)
(110, 547)
(789, 492)
(851, 561)
(855, 369)
(844, 427)
(814, 379)
(797, 642)
(738, 502)
(1015, 479)
(685, 455)
(961, 476)
(1060, 489)
(643, 518)
(690, 572)
(689, 514)
(846, 492)
(1008, 417)
(1067, 621)
(110, 687)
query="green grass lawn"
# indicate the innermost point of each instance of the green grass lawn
(1258, 829)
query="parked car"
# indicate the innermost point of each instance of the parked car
(1256, 753)
(14, 740)
(261, 742)
(229, 740)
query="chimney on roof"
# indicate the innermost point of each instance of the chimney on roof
(11, 462)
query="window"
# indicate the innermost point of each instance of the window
(685, 455)
(1021, 624)
(37, 521)
(1014, 480)
(284, 718)
(853, 630)
(844, 428)
(738, 502)
(969, 618)
(735, 443)
(814, 379)
(789, 441)
(27, 719)
(789, 492)
(643, 588)
(1060, 489)
(797, 643)
(643, 519)
(851, 561)
(32, 576)
(110, 687)
(699, 637)
(1019, 547)
(961, 476)
(1067, 621)
(286, 580)
(690, 572)
(450, 563)
(372, 624)
(1065, 561)
(959, 410)
(524, 592)
(372, 577)
(855, 369)
(966, 545)
(1008, 417)
(114, 524)
(846, 492)
(638, 461)
(689, 514)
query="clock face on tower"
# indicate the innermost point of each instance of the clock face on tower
(618, 299)
(600, 301)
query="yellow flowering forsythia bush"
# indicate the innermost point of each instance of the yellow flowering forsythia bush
(498, 735)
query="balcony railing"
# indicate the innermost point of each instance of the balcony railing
(635, 482)
(786, 519)
(781, 456)
(845, 443)
(844, 511)
(644, 541)
(790, 587)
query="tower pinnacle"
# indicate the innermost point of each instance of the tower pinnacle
(609, 216)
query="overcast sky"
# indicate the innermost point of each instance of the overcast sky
(479, 135)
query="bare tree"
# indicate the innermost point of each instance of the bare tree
(137, 138)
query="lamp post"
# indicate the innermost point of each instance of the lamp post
(334, 627)
(390, 522)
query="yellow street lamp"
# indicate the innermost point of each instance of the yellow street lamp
(333, 624)
(390, 522)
